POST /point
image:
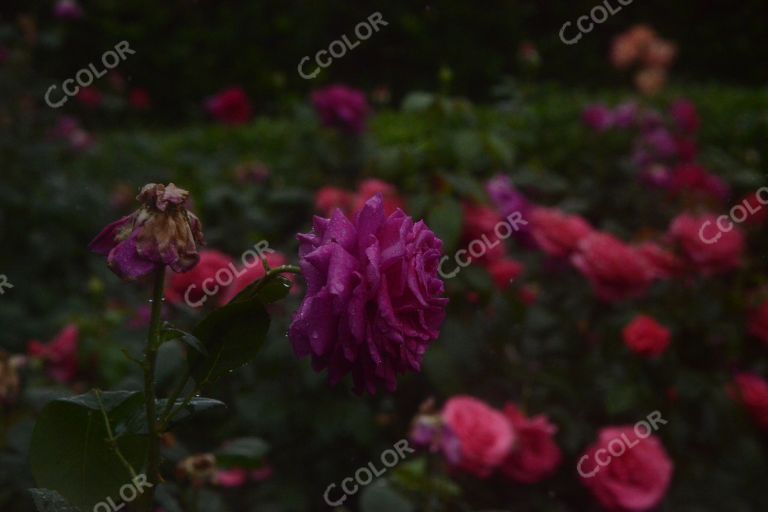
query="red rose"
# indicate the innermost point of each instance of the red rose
(248, 275)
(535, 456)
(753, 393)
(59, 356)
(230, 106)
(711, 249)
(189, 287)
(634, 480)
(557, 233)
(327, 199)
(645, 336)
(504, 271)
(758, 322)
(663, 263)
(369, 188)
(615, 270)
(479, 233)
(484, 434)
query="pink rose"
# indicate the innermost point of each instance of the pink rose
(706, 245)
(753, 393)
(634, 480)
(535, 456)
(645, 336)
(557, 233)
(484, 434)
(59, 356)
(189, 287)
(615, 270)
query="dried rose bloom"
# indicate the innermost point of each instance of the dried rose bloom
(161, 232)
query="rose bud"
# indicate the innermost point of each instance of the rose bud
(161, 232)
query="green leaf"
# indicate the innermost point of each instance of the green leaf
(246, 452)
(70, 452)
(380, 497)
(171, 333)
(195, 406)
(47, 500)
(271, 291)
(445, 220)
(138, 423)
(233, 335)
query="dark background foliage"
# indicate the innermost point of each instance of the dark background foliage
(188, 50)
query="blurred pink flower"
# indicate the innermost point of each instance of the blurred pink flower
(535, 456)
(615, 270)
(59, 355)
(484, 435)
(598, 117)
(636, 480)
(230, 106)
(89, 97)
(138, 98)
(190, 287)
(685, 116)
(645, 336)
(557, 233)
(705, 245)
(341, 107)
(253, 273)
(67, 10)
(752, 391)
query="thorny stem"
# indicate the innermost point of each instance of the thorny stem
(150, 361)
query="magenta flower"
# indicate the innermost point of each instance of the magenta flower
(59, 355)
(162, 232)
(68, 10)
(230, 106)
(598, 117)
(341, 107)
(374, 301)
(686, 117)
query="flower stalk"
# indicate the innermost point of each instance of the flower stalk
(149, 365)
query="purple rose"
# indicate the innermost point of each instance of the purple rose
(374, 300)
(598, 117)
(162, 232)
(340, 107)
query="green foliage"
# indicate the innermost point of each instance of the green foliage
(71, 451)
